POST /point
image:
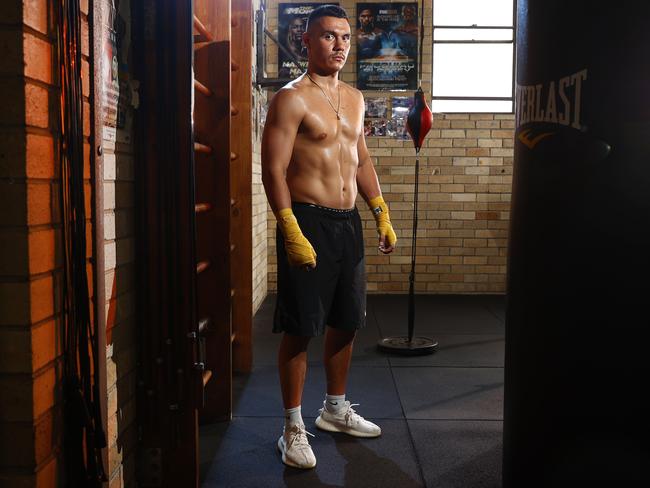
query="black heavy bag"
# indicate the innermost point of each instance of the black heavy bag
(578, 328)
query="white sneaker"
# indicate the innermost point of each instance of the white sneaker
(348, 421)
(295, 448)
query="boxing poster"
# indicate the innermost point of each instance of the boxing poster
(292, 22)
(119, 94)
(110, 74)
(387, 46)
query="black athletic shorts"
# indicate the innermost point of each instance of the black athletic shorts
(334, 293)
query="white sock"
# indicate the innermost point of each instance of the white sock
(334, 403)
(293, 416)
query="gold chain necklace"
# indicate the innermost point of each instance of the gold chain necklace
(336, 110)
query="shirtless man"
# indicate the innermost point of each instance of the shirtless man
(294, 37)
(314, 162)
(407, 31)
(369, 36)
(409, 24)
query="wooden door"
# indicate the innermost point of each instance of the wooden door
(169, 379)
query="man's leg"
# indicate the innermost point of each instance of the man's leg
(292, 366)
(336, 357)
(337, 414)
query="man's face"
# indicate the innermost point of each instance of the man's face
(408, 13)
(328, 43)
(365, 18)
(296, 30)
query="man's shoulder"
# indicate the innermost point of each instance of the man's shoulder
(292, 93)
(296, 85)
(352, 90)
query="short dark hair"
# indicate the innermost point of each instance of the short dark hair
(326, 11)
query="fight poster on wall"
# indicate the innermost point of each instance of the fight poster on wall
(292, 22)
(387, 45)
(119, 89)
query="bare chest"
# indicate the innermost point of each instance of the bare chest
(324, 126)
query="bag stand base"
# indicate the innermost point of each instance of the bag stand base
(418, 346)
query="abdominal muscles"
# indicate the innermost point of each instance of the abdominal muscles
(324, 174)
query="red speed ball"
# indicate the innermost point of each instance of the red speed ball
(419, 120)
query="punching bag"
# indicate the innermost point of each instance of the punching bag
(576, 413)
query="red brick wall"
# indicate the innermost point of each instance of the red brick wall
(30, 262)
(30, 236)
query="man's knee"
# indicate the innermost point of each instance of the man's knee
(341, 335)
(295, 343)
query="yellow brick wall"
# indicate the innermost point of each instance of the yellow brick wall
(258, 197)
(119, 281)
(464, 199)
(260, 254)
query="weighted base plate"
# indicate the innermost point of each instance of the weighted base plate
(401, 345)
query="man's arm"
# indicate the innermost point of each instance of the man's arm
(282, 122)
(368, 185)
(367, 181)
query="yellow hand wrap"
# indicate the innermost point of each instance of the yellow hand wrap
(299, 250)
(379, 210)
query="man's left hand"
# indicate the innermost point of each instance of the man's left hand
(387, 236)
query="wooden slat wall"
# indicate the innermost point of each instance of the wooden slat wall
(212, 128)
(229, 24)
(241, 183)
(215, 16)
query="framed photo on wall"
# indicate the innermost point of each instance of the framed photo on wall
(292, 22)
(376, 106)
(387, 46)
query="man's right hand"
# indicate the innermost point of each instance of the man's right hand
(387, 236)
(299, 250)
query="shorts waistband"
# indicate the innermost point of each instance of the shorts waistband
(335, 212)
